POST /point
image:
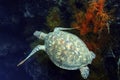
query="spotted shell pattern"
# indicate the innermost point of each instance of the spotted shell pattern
(67, 51)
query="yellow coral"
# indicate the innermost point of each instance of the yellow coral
(53, 19)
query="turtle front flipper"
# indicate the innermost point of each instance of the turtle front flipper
(84, 72)
(60, 29)
(37, 48)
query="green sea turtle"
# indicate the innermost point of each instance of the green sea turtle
(66, 50)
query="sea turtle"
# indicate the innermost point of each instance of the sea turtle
(66, 50)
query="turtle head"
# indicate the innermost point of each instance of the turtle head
(40, 35)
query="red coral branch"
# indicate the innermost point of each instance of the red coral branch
(95, 16)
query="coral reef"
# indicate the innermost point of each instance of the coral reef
(53, 18)
(91, 19)
(20, 18)
(94, 19)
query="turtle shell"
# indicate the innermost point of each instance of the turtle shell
(67, 51)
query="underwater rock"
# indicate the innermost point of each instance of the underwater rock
(111, 68)
(110, 62)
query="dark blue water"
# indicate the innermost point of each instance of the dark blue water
(15, 16)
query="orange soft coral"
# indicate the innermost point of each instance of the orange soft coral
(93, 20)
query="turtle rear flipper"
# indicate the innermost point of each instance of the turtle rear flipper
(84, 72)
